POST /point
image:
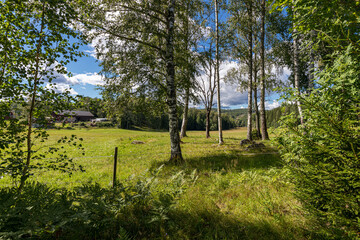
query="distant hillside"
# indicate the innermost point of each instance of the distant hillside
(272, 116)
(235, 112)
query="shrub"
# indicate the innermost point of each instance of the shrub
(138, 208)
(323, 154)
(105, 124)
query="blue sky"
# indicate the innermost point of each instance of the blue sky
(85, 81)
(85, 70)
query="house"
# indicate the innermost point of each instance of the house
(72, 116)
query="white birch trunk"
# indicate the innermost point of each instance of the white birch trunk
(296, 67)
(249, 122)
(176, 156)
(217, 75)
(264, 132)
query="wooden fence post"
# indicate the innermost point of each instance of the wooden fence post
(115, 165)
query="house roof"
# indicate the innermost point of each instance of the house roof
(76, 113)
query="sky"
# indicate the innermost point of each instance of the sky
(85, 80)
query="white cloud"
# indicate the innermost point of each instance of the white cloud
(271, 105)
(229, 96)
(81, 79)
(61, 87)
(63, 79)
(88, 78)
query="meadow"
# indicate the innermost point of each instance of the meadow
(234, 193)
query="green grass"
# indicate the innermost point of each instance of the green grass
(238, 194)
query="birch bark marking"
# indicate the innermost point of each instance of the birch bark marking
(185, 116)
(249, 122)
(257, 114)
(296, 67)
(264, 132)
(176, 156)
(187, 93)
(217, 75)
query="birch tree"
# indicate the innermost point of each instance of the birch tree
(207, 85)
(241, 24)
(34, 49)
(217, 70)
(264, 132)
(191, 31)
(296, 68)
(141, 47)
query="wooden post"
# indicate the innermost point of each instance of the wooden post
(115, 164)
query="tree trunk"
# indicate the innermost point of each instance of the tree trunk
(211, 97)
(187, 93)
(311, 72)
(176, 156)
(185, 115)
(257, 114)
(208, 111)
(312, 65)
(249, 122)
(264, 132)
(296, 68)
(217, 75)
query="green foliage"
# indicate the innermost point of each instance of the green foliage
(273, 116)
(136, 209)
(94, 105)
(35, 49)
(197, 119)
(323, 154)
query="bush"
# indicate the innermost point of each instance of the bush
(137, 209)
(105, 124)
(323, 154)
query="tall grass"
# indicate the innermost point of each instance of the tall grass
(235, 193)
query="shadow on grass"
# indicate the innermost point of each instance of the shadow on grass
(92, 212)
(205, 223)
(224, 161)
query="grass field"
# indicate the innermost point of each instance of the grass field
(238, 194)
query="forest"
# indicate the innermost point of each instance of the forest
(189, 167)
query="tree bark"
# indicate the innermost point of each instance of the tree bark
(250, 34)
(210, 97)
(208, 111)
(217, 75)
(264, 132)
(185, 115)
(176, 156)
(296, 68)
(257, 114)
(312, 65)
(187, 92)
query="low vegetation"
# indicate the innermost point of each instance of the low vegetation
(222, 192)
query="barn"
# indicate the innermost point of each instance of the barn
(73, 116)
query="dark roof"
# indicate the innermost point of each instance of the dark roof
(76, 113)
